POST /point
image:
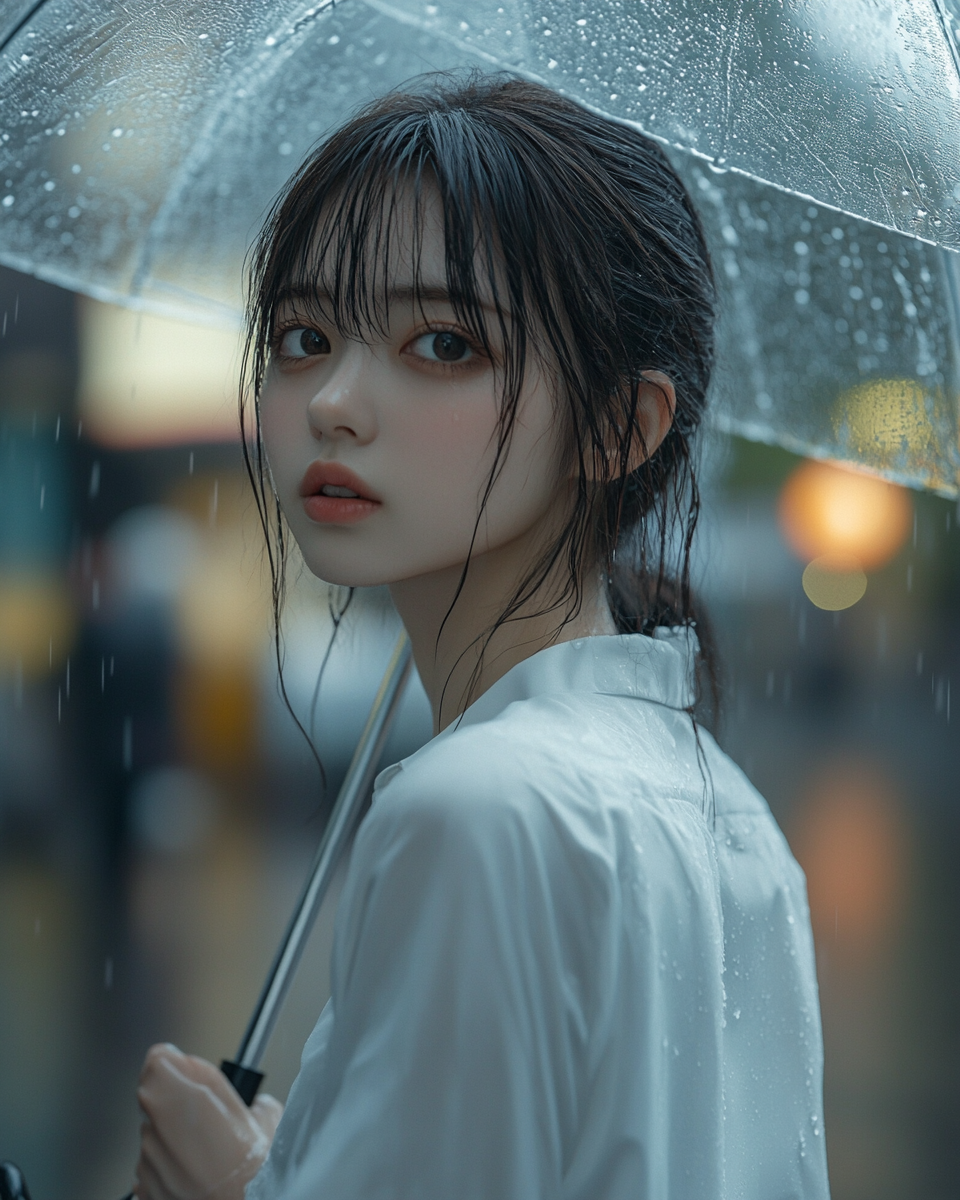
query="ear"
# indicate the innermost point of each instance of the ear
(656, 405)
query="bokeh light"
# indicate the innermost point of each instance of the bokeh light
(37, 623)
(881, 418)
(150, 381)
(851, 840)
(832, 511)
(834, 583)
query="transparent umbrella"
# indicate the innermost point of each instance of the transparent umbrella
(141, 144)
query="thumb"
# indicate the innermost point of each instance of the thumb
(267, 1111)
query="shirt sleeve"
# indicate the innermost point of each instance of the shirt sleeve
(458, 1011)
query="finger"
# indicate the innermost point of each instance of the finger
(150, 1184)
(203, 1072)
(267, 1111)
(160, 1051)
(160, 1169)
(169, 1092)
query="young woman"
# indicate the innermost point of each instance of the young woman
(573, 956)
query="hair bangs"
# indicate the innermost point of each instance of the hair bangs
(347, 238)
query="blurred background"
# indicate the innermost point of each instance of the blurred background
(159, 808)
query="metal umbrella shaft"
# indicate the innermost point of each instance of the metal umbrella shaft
(243, 1072)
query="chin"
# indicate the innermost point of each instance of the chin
(334, 570)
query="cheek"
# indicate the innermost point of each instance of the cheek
(448, 450)
(450, 454)
(281, 428)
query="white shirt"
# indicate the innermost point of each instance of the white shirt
(556, 974)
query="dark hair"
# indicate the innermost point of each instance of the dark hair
(586, 240)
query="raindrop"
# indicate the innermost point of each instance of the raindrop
(76, 168)
(7, 201)
(116, 133)
(49, 186)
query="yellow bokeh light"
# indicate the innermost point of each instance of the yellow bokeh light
(885, 421)
(834, 583)
(147, 380)
(833, 511)
(37, 623)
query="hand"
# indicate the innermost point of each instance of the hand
(198, 1140)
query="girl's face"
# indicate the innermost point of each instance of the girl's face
(381, 449)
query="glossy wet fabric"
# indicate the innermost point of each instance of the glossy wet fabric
(556, 973)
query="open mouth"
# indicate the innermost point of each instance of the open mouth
(334, 495)
(331, 489)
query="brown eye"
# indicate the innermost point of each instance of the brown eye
(444, 347)
(448, 347)
(303, 343)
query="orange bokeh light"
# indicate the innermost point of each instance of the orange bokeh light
(832, 511)
(852, 842)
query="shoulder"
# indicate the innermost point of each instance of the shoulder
(472, 787)
(575, 783)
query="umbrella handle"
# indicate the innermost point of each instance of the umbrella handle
(13, 1186)
(340, 828)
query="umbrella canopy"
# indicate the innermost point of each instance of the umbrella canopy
(142, 143)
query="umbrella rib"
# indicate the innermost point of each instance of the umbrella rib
(190, 166)
(948, 36)
(24, 21)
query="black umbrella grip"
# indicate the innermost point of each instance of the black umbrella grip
(245, 1080)
(12, 1184)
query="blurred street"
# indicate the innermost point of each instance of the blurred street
(159, 807)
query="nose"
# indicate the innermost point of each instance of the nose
(343, 407)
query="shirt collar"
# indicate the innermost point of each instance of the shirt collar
(658, 668)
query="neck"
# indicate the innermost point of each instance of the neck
(456, 656)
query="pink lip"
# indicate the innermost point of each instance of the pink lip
(336, 510)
